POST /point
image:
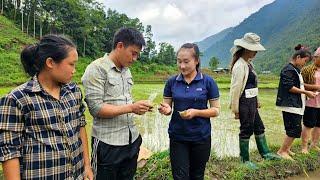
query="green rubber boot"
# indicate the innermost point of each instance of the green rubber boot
(263, 148)
(244, 154)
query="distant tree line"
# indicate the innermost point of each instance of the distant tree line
(86, 22)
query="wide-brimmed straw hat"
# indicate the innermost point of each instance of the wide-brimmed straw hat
(317, 52)
(250, 41)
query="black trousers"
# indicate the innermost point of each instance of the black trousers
(250, 120)
(117, 162)
(188, 159)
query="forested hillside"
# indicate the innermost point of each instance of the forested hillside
(11, 42)
(207, 42)
(86, 23)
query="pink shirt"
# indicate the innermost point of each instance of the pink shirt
(315, 102)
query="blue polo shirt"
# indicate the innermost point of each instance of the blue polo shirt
(185, 96)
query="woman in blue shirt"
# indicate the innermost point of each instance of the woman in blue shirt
(186, 96)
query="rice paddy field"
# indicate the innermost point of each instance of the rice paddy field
(153, 126)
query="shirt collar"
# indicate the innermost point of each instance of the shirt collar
(296, 68)
(112, 65)
(198, 77)
(34, 86)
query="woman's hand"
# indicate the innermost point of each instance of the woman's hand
(88, 174)
(188, 114)
(310, 94)
(165, 109)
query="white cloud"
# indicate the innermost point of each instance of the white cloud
(177, 22)
(172, 13)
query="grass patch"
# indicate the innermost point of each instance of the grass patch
(158, 166)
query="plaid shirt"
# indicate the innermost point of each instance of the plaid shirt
(43, 132)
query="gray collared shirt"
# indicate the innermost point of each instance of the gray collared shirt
(105, 83)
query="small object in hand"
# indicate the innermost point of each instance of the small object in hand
(182, 113)
(151, 106)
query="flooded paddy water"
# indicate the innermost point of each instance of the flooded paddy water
(153, 126)
(225, 129)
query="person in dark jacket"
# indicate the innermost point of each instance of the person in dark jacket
(291, 98)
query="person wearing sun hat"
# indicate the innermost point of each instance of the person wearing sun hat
(311, 117)
(244, 97)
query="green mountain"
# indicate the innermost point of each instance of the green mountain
(207, 42)
(281, 25)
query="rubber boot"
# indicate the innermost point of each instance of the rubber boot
(244, 154)
(263, 148)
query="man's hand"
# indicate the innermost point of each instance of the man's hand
(141, 107)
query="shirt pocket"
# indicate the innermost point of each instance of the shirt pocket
(114, 87)
(129, 84)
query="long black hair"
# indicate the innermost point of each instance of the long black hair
(236, 56)
(33, 57)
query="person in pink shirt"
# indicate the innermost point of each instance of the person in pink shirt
(311, 118)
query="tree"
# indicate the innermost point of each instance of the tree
(149, 50)
(166, 54)
(115, 21)
(1, 7)
(213, 63)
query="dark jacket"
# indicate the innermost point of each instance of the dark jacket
(288, 79)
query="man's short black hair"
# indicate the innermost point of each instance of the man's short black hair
(128, 36)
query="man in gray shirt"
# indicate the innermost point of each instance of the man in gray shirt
(107, 82)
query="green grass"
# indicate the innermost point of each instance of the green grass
(158, 167)
(12, 40)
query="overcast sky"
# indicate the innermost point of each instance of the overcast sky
(180, 21)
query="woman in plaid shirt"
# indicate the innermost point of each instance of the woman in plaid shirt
(42, 133)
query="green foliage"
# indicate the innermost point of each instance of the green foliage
(158, 167)
(149, 50)
(213, 63)
(116, 20)
(13, 40)
(166, 54)
(85, 21)
(11, 43)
